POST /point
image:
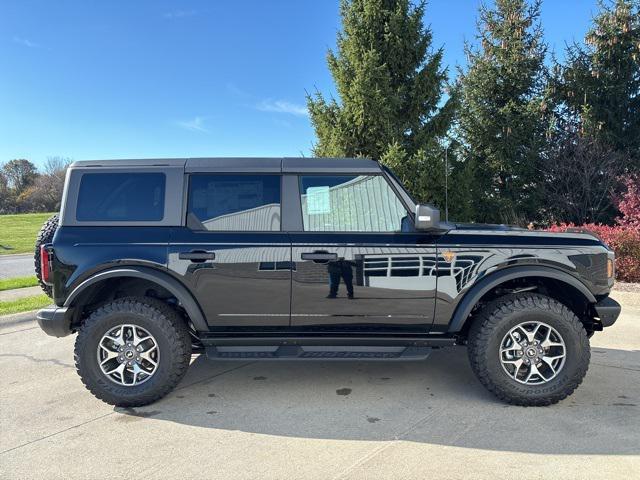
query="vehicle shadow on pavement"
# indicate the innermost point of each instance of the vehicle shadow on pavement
(438, 401)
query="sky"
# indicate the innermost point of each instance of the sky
(154, 79)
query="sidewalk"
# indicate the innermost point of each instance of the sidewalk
(18, 293)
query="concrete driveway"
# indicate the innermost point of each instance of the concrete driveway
(12, 266)
(317, 420)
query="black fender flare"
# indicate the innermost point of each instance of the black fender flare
(471, 298)
(163, 279)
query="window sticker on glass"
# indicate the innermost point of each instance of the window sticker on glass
(318, 200)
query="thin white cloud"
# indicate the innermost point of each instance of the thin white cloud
(236, 91)
(196, 124)
(282, 106)
(26, 42)
(179, 14)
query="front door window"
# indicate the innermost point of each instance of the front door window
(351, 203)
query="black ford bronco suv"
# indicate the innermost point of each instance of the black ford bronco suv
(152, 261)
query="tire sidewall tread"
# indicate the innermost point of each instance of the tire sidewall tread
(159, 319)
(497, 318)
(45, 235)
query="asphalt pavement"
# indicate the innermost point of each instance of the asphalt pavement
(12, 266)
(317, 420)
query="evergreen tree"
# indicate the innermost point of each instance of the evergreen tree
(502, 115)
(600, 82)
(391, 87)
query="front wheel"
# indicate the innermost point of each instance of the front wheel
(132, 351)
(529, 349)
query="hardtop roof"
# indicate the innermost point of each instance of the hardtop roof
(245, 164)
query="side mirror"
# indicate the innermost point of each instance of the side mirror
(427, 217)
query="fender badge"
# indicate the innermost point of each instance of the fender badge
(448, 255)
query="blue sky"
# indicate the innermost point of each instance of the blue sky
(128, 79)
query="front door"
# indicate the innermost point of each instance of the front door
(358, 261)
(232, 253)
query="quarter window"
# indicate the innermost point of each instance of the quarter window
(121, 197)
(236, 202)
(363, 203)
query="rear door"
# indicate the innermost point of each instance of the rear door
(359, 262)
(232, 253)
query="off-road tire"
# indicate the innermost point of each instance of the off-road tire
(159, 319)
(494, 321)
(45, 235)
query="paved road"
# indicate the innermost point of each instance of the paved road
(12, 266)
(317, 420)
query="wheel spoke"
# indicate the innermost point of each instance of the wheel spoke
(119, 339)
(109, 351)
(147, 357)
(517, 347)
(117, 369)
(520, 347)
(548, 344)
(517, 364)
(137, 340)
(533, 370)
(549, 363)
(551, 358)
(535, 331)
(119, 357)
(530, 335)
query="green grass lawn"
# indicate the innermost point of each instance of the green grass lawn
(24, 304)
(20, 282)
(18, 232)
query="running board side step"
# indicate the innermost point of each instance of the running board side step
(316, 352)
(218, 340)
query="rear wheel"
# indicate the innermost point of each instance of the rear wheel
(44, 236)
(132, 351)
(529, 349)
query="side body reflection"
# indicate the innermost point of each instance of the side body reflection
(337, 270)
(360, 222)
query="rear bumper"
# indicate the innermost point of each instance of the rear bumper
(608, 311)
(55, 321)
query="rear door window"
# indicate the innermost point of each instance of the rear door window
(121, 197)
(235, 202)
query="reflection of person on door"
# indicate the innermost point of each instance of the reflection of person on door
(337, 269)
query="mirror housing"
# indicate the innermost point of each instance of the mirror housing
(427, 217)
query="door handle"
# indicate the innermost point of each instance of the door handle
(197, 255)
(322, 256)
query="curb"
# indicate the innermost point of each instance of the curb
(17, 318)
(9, 255)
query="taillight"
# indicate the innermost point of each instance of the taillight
(45, 264)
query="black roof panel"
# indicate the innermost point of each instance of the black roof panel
(247, 164)
(139, 162)
(329, 165)
(258, 165)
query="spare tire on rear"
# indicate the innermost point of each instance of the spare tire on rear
(44, 236)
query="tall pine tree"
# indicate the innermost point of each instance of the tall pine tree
(391, 88)
(600, 82)
(502, 119)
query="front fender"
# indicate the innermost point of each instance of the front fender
(475, 293)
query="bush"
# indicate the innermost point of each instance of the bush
(623, 239)
(629, 203)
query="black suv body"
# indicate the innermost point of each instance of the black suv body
(313, 259)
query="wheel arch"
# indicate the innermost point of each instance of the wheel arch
(151, 275)
(575, 289)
